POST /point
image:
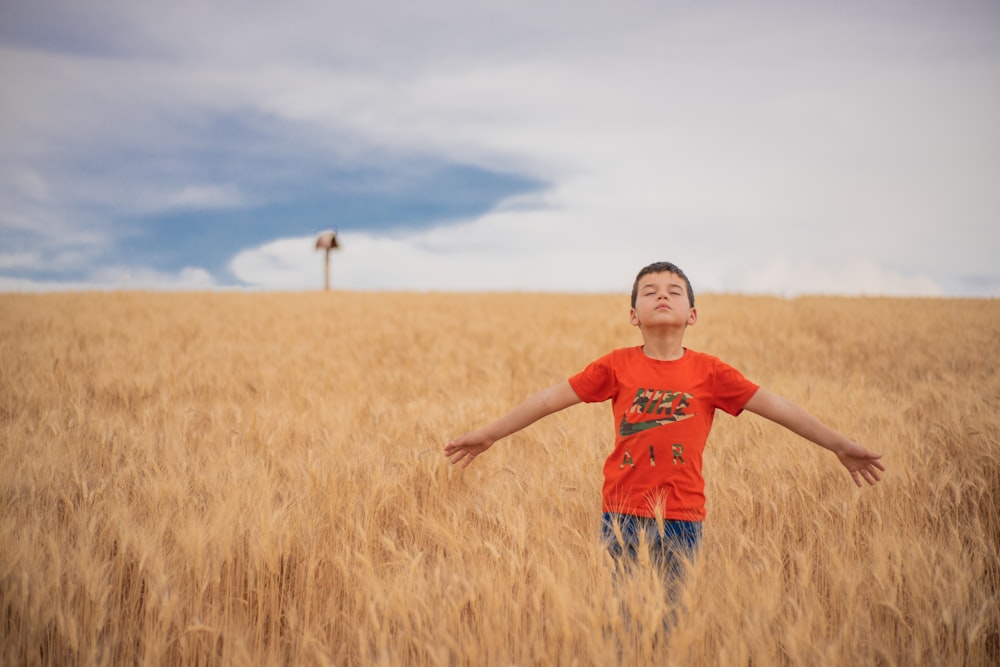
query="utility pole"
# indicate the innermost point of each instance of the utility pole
(327, 241)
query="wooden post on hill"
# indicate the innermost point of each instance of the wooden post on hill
(327, 241)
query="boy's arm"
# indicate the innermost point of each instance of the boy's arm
(540, 404)
(860, 462)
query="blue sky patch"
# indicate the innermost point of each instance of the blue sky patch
(371, 200)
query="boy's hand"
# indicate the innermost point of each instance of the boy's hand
(860, 462)
(467, 447)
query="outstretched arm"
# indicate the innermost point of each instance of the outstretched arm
(540, 404)
(860, 462)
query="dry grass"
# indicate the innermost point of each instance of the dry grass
(257, 479)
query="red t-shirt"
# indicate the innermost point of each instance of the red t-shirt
(663, 413)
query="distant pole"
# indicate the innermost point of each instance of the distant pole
(327, 241)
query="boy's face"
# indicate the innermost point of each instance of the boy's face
(662, 300)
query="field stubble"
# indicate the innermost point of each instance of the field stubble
(258, 479)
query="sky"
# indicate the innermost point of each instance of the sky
(788, 148)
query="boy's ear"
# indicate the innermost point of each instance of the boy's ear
(632, 317)
(693, 317)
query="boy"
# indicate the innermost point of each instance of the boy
(664, 398)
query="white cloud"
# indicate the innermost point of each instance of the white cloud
(18, 260)
(28, 183)
(124, 277)
(115, 278)
(207, 197)
(534, 252)
(831, 148)
(834, 275)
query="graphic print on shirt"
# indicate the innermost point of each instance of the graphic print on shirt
(665, 406)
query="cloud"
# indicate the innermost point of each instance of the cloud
(18, 260)
(769, 147)
(837, 275)
(510, 249)
(118, 277)
(207, 197)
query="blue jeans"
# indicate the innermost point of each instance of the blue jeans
(679, 540)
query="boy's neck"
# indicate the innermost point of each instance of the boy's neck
(663, 347)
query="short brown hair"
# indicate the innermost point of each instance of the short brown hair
(662, 267)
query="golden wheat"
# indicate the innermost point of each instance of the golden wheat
(247, 479)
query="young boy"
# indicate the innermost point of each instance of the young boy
(664, 398)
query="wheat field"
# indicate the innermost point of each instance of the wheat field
(257, 479)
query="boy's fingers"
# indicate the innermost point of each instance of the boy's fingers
(461, 457)
(870, 475)
(867, 471)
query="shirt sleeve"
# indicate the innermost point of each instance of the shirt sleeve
(596, 382)
(732, 390)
